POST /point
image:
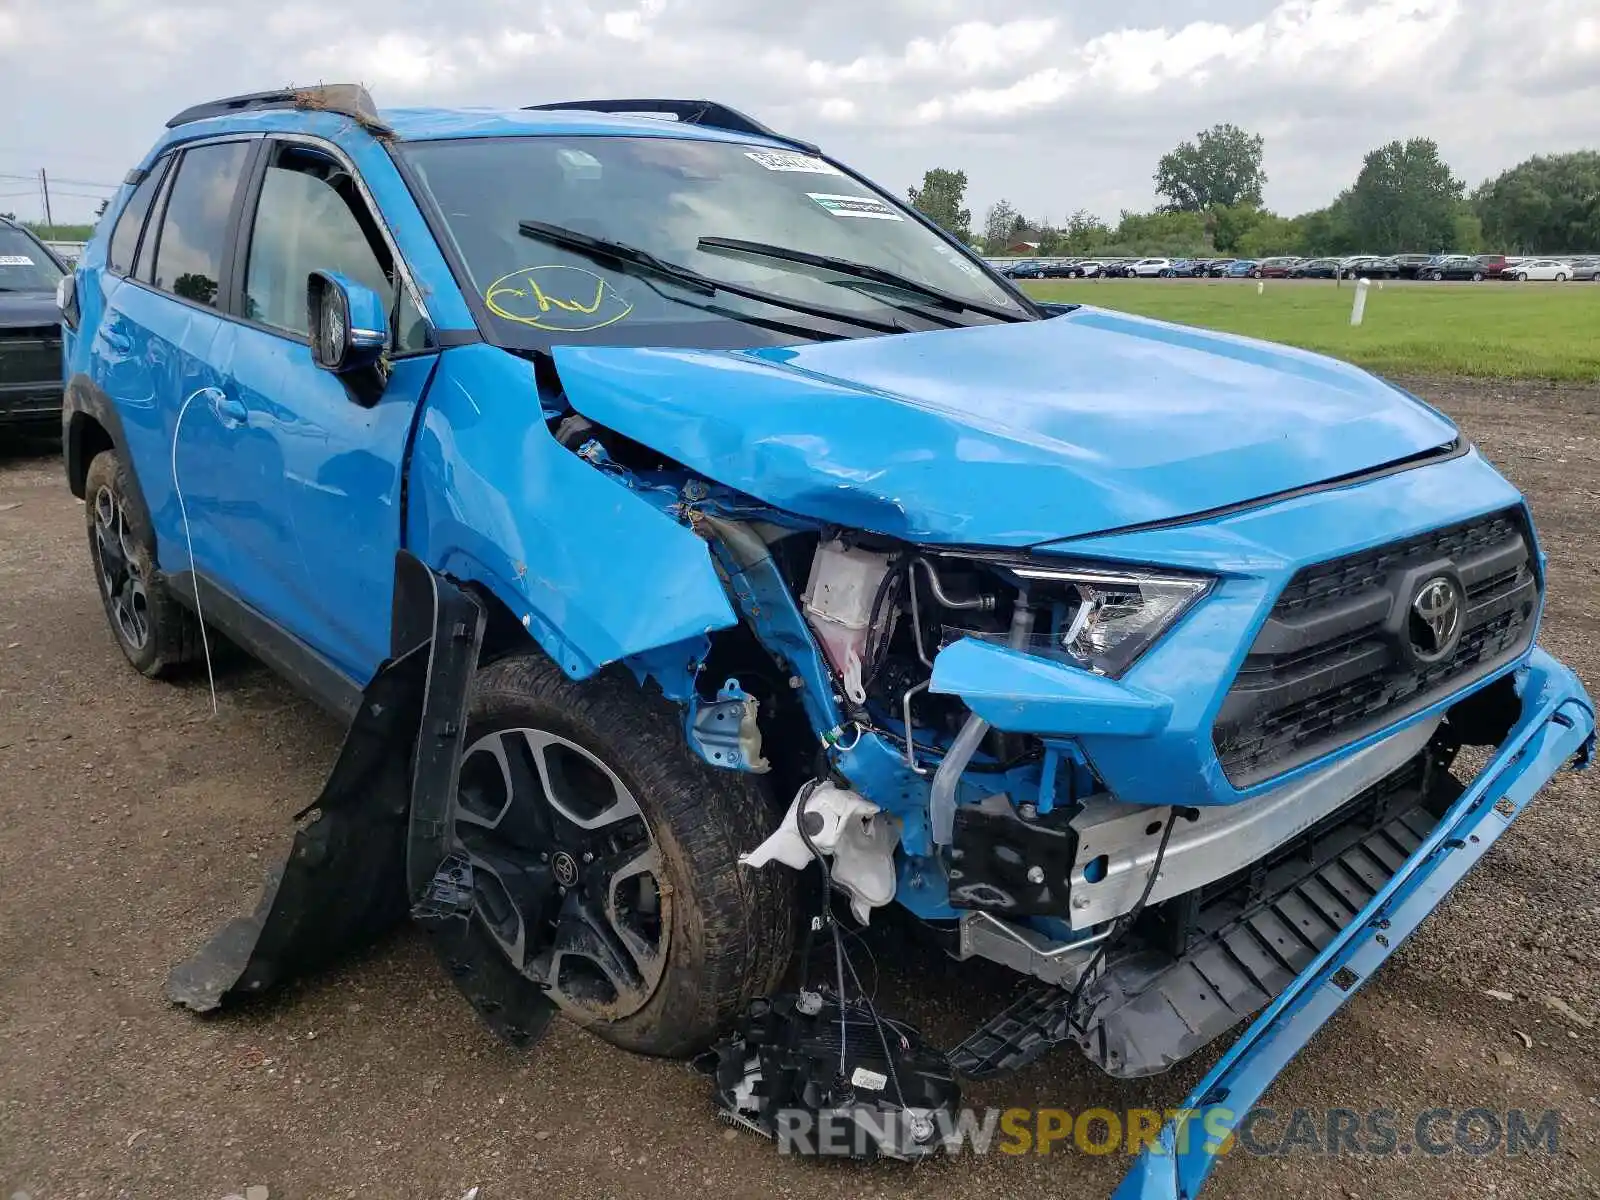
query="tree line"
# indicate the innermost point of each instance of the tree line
(1405, 198)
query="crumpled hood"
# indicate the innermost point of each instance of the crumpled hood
(1005, 435)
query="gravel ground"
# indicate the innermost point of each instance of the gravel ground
(135, 821)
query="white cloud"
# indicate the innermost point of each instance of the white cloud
(1053, 106)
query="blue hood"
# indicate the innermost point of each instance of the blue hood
(1005, 435)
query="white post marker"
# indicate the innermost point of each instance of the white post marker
(1359, 308)
(1260, 287)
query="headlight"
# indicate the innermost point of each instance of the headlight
(1104, 620)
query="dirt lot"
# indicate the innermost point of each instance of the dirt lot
(134, 822)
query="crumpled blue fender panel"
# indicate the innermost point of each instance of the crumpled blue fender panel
(1557, 724)
(594, 571)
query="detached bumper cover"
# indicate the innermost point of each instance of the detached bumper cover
(1557, 725)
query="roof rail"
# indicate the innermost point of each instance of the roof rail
(349, 99)
(689, 112)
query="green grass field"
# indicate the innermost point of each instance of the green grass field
(1509, 330)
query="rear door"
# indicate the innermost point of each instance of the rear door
(308, 489)
(153, 354)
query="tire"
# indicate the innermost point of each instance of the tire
(1477, 277)
(1256, 274)
(154, 632)
(1560, 278)
(1437, 276)
(1522, 277)
(726, 932)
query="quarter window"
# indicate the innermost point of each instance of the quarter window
(125, 237)
(194, 231)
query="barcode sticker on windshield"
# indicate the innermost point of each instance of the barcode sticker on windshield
(785, 160)
(15, 260)
(856, 206)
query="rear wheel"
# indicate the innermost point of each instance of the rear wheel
(605, 858)
(154, 632)
(1560, 278)
(1522, 277)
(1477, 277)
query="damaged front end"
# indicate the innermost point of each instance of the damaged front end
(1172, 776)
(1159, 791)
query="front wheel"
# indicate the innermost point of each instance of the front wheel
(1477, 277)
(1561, 278)
(1522, 277)
(605, 858)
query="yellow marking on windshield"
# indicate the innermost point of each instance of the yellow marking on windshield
(558, 302)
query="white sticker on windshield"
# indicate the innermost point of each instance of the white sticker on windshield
(856, 206)
(786, 160)
(15, 260)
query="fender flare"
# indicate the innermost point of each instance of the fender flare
(83, 404)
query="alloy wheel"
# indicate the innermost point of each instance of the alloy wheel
(567, 876)
(122, 572)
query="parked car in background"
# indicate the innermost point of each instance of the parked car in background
(1586, 269)
(1084, 268)
(1370, 266)
(1407, 266)
(1545, 270)
(1241, 268)
(30, 331)
(1028, 269)
(1062, 269)
(1274, 268)
(1218, 267)
(1150, 268)
(1185, 268)
(1317, 268)
(1453, 266)
(1493, 265)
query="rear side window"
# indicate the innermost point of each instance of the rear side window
(125, 237)
(194, 231)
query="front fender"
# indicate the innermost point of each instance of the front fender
(594, 572)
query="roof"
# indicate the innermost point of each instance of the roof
(432, 124)
(291, 108)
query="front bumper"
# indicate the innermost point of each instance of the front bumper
(1556, 726)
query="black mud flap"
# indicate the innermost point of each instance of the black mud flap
(375, 845)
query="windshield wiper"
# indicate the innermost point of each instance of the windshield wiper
(845, 266)
(639, 259)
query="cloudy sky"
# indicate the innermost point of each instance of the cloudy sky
(1053, 105)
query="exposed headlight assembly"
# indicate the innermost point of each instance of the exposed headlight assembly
(1103, 619)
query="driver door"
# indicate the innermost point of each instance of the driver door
(309, 500)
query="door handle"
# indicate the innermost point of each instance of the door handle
(230, 412)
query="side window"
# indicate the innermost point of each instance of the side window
(194, 230)
(125, 237)
(311, 217)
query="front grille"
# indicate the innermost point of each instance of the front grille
(1330, 666)
(30, 355)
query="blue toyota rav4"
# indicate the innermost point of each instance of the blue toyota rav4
(665, 505)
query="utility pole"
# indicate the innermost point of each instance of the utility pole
(44, 186)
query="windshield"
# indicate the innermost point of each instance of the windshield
(669, 197)
(24, 265)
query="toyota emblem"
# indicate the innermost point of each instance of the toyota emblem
(1435, 618)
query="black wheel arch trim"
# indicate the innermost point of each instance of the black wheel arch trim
(83, 406)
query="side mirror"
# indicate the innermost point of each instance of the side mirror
(348, 330)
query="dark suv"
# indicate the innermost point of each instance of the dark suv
(30, 330)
